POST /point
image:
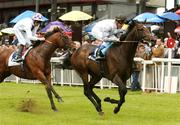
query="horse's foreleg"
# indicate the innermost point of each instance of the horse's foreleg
(122, 92)
(59, 98)
(41, 77)
(49, 93)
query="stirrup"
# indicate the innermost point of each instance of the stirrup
(91, 57)
(17, 59)
(100, 58)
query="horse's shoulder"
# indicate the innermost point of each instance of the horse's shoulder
(9, 47)
(86, 47)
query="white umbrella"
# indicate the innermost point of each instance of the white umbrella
(9, 30)
(75, 16)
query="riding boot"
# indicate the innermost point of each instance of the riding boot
(99, 55)
(18, 57)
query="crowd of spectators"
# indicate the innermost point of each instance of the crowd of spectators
(153, 49)
(146, 49)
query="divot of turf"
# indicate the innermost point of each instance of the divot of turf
(27, 105)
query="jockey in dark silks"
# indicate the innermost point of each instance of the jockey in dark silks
(106, 31)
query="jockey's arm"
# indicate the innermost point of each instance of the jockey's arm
(117, 31)
(32, 37)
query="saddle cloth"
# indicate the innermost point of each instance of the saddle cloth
(11, 63)
(104, 48)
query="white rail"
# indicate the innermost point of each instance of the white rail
(152, 77)
(162, 62)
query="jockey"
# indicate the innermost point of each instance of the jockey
(106, 31)
(25, 31)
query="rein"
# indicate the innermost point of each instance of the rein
(47, 41)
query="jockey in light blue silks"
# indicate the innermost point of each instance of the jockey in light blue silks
(106, 31)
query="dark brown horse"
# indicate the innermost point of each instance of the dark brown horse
(37, 63)
(117, 67)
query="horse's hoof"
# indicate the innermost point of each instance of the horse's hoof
(60, 100)
(55, 110)
(116, 110)
(107, 99)
(101, 113)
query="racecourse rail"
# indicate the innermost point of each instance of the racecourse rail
(153, 76)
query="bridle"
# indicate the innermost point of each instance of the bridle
(54, 44)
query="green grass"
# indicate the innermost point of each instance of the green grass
(139, 108)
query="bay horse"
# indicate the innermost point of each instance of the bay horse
(117, 67)
(36, 65)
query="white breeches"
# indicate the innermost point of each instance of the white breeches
(22, 37)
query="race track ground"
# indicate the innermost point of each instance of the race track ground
(139, 108)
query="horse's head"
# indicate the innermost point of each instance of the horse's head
(140, 32)
(58, 38)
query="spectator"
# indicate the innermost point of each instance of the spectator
(77, 32)
(174, 49)
(158, 49)
(137, 66)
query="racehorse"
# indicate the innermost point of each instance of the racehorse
(117, 67)
(36, 65)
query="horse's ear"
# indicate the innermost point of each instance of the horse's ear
(56, 28)
(132, 22)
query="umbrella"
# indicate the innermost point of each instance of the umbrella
(178, 12)
(89, 27)
(170, 16)
(53, 24)
(177, 30)
(9, 30)
(155, 27)
(25, 14)
(148, 17)
(75, 16)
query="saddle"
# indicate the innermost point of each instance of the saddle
(12, 63)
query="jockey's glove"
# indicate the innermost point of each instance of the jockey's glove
(41, 39)
(111, 39)
(117, 31)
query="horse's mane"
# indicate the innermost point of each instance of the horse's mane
(131, 26)
(55, 30)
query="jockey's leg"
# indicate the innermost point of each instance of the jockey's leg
(102, 50)
(22, 42)
(18, 57)
(98, 53)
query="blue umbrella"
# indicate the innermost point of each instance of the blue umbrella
(170, 16)
(25, 14)
(148, 17)
(89, 27)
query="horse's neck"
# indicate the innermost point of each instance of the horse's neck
(130, 50)
(46, 50)
(130, 45)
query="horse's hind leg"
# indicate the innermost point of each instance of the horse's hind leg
(88, 92)
(4, 75)
(122, 92)
(95, 79)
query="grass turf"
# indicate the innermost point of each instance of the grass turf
(139, 108)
